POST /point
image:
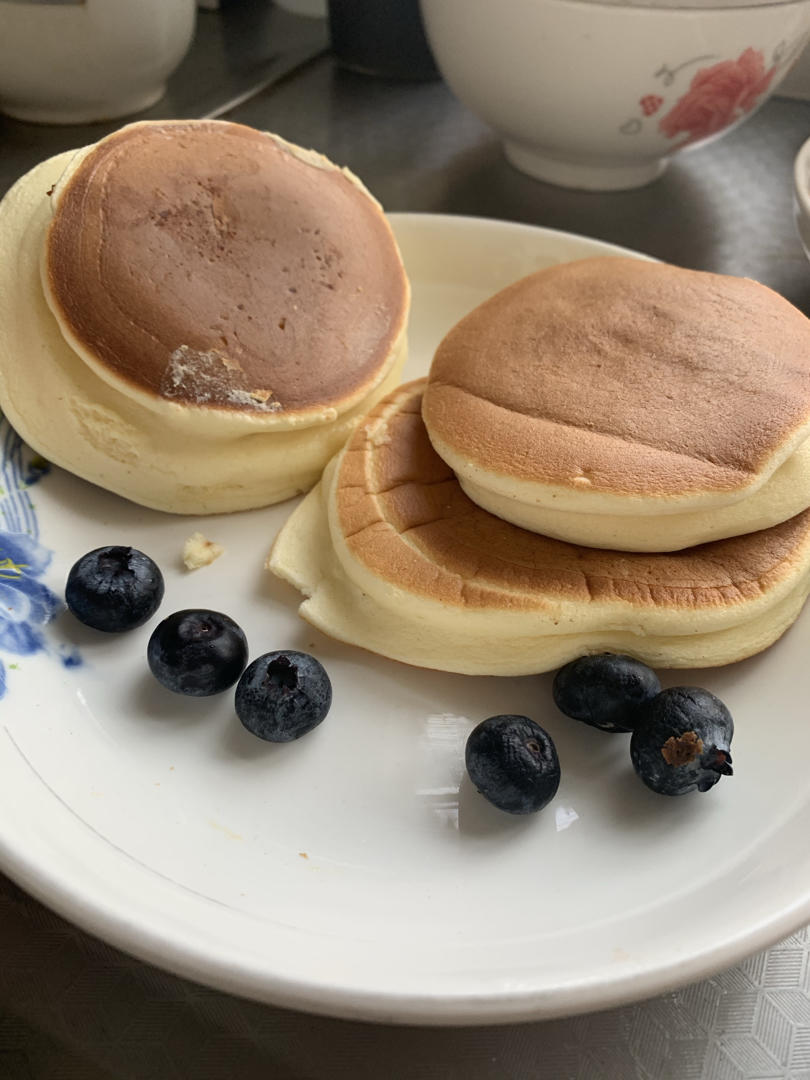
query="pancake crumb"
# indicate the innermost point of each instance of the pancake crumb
(199, 551)
(378, 434)
(683, 750)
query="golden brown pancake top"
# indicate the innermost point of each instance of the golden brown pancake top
(206, 263)
(405, 517)
(630, 376)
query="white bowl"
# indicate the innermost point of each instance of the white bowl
(600, 95)
(801, 195)
(78, 61)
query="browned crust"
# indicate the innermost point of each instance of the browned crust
(641, 377)
(278, 281)
(405, 517)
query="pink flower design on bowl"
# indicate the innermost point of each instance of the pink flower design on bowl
(718, 96)
(651, 103)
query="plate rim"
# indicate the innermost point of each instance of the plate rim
(146, 944)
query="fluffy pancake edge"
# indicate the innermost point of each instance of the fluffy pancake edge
(334, 604)
(783, 495)
(352, 601)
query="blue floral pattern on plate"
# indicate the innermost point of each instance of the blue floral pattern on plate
(26, 603)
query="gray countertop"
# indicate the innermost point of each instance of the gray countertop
(71, 1007)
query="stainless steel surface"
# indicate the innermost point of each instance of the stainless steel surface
(71, 1008)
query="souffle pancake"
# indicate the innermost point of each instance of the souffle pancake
(628, 404)
(392, 555)
(194, 314)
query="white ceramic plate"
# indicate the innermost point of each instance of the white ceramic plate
(356, 872)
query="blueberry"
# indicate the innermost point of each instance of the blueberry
(513, 763)
(283, 695)
(114, 588)
(681, 741)
(604, 690)
(197, 652)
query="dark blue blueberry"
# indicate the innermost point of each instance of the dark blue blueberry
(283, 695)
(513, 763)
(114, 589)
(197, 652)
(604, 690)
(681, 741)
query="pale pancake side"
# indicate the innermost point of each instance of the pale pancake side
(392, 556)
(613, 379)
(406, 632)
(783, 495)
(207, 264)
(403, 516)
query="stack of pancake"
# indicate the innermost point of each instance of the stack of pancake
(609, 454)
(195, 314)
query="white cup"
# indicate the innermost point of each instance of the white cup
(77, 61)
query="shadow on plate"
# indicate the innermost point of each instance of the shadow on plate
(149, 701)
(478, 818)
